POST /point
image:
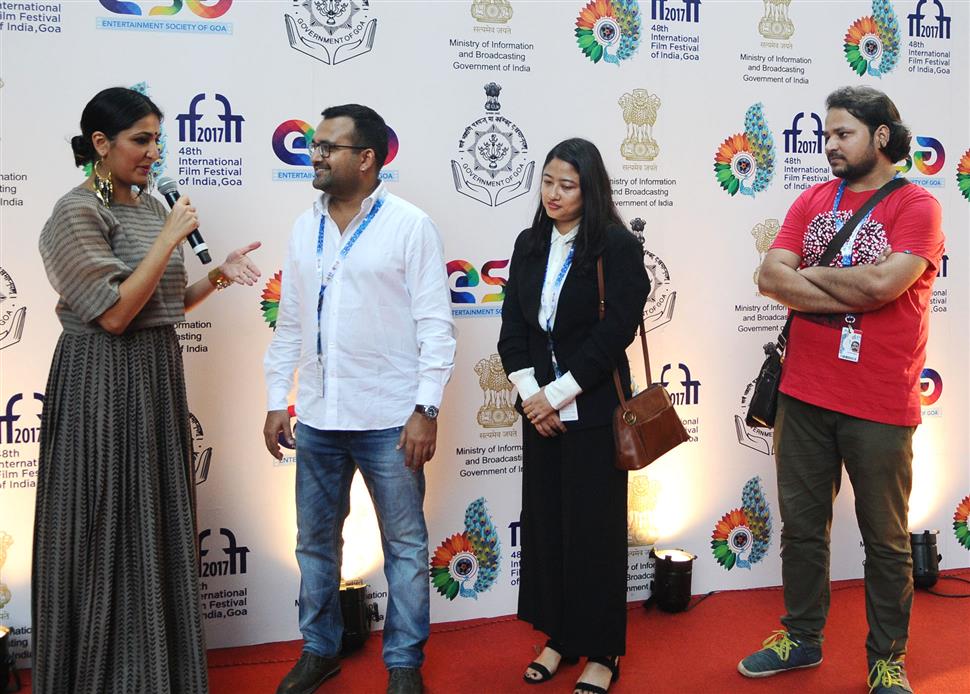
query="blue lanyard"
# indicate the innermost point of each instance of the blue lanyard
(556, 285)
(847, 246)
(341, 255)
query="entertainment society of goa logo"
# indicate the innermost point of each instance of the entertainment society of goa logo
(493, 165)
(745, 162)
(659, 308)
(467, 563)
(872, 42)
(742, 536)
(331, 31)
(609, 30)
(963, 175)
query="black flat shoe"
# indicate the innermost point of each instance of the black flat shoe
(613, 664)
(544, 673)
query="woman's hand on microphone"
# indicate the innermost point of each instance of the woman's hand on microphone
(181, 222)
(240, 269)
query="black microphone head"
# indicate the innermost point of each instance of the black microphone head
(166, 185)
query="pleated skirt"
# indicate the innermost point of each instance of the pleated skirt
(573, 527)
(115, 586)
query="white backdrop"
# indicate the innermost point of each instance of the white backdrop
(242, 81)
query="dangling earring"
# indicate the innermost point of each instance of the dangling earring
(149, 184)
(103, 187)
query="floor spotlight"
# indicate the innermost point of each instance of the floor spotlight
(926, 561)
(671, 579)
(353, 609)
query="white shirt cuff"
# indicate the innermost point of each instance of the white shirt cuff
(562, 391)
(525, 382)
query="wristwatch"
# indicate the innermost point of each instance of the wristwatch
(429, 411)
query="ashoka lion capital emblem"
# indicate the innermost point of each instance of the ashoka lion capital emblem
(497, 410)
(640, 113)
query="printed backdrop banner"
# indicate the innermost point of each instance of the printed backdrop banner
(710, 118)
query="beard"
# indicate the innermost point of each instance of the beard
(851, 172)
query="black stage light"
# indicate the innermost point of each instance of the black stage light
(353, 608)
(926, 561)
(671, 579)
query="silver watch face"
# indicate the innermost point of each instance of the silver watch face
(431, 412)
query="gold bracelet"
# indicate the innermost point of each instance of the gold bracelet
(218, 280)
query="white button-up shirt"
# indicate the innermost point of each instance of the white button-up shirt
(386, 329)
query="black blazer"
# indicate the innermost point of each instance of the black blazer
(585, 346)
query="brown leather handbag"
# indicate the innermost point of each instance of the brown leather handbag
(646, 426)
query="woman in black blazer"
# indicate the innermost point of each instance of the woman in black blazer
(561, 357)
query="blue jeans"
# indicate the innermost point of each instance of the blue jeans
(325, 464)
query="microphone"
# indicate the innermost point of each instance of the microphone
(168, 188)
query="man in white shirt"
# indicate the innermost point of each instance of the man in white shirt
(365, 319)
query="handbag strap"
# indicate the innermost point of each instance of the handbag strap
(840, 238)
(601, 284)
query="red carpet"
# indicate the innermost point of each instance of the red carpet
(695, 651)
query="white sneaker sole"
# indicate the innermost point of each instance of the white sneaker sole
(768, 673)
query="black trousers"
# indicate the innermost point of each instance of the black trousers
(574, 541)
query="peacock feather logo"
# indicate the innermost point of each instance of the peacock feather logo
(963, 175)
(745, 162)
(960, 519)
(271, 299)
(609, 25)
(467, 563)
(742, 536)
(872, 42)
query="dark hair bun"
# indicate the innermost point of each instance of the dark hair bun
(83, 150)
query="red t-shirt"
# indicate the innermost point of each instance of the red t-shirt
(883, 386)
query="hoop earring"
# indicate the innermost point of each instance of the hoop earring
(103, 187)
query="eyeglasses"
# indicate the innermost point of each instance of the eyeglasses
(325, 148)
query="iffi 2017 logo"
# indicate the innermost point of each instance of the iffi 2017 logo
(797, 139)
(872, 42)
(230, 129)
(493, 165)
(742, 536)
(331, 31)
(690, 395)
(467, 563)
(963, 175)
(609, 30)
(745, 162)
(938, 26)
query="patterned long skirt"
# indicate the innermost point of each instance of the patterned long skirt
(115, 586)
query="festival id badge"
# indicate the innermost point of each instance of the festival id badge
(569, 413)
(850, 342)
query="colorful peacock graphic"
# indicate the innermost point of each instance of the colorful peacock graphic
(742, 536)
(963, 175)
(609, 25)
(960, 519)
(745, 162)
(271, 299)
(467, 563)
(872, 42)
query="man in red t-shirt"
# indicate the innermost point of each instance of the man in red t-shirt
(850, 382)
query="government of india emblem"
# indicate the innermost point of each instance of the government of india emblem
(640, 113)
(492, 11)
(776, 24)
(331, 31)
(764, 234)
(659, 308)
(5, 542)
(498, 409)
(641, 516)
(492, 165)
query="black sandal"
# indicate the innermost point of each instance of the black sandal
(544, 674)
(613, 664)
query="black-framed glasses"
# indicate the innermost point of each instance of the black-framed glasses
(325, 148)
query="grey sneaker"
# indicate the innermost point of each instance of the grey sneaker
(780, 652)
(404, 680)
(888, 677)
